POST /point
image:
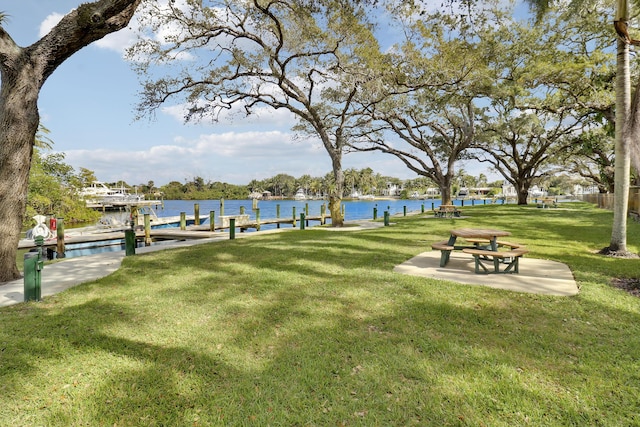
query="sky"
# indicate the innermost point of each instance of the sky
(88, 104)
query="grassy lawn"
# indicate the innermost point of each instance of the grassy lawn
(313, 328)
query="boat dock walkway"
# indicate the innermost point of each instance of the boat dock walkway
(189, 232)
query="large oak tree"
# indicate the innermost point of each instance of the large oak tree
(23, 71)
(293, 55)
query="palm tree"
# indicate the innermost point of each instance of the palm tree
(627, 123)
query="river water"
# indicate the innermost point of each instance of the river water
(353, 209)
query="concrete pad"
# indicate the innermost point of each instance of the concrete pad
(536, 275)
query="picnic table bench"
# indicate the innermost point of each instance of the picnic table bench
(510, 258)
(546, 203)
(483, 245)
(447, 211)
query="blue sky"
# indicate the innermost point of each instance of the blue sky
(88, 105)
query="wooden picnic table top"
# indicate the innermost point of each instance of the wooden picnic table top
(479, 233)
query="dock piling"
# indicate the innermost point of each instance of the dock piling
(147, 229)
(60, 248)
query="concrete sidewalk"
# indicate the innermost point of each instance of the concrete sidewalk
(535, 275)
(70, 272)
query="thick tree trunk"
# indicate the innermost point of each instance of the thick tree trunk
(23, 72)
(445, 194)
(18, 125)
(335, 199)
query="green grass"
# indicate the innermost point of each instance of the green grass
(313, 328)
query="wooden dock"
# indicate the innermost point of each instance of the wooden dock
(202, 231)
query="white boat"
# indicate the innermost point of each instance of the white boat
(300, 195)
(99, 194)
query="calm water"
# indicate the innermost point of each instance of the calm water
(356, 209)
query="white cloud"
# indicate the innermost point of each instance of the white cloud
(48, 23)
(230, 157)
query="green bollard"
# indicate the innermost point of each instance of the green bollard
(196, 213)
(232, 228)
(422, 209)
(130, 242)
(302, 217)
(33, 265)
(375, 213)
(386, 218)
(212, 220)
(404, 210)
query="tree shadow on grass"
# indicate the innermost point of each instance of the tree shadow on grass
(338, 357)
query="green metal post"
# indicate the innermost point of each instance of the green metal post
(422, 209)
(404, 210)
(232, 228)
(375, 213)
(183, 221)
(33, 265)
(302, 216)
(386, 218)
(196, 213)
(129, 242)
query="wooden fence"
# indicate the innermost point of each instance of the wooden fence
(605, 201)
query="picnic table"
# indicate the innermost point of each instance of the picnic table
(482, 244)
(447, 211)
